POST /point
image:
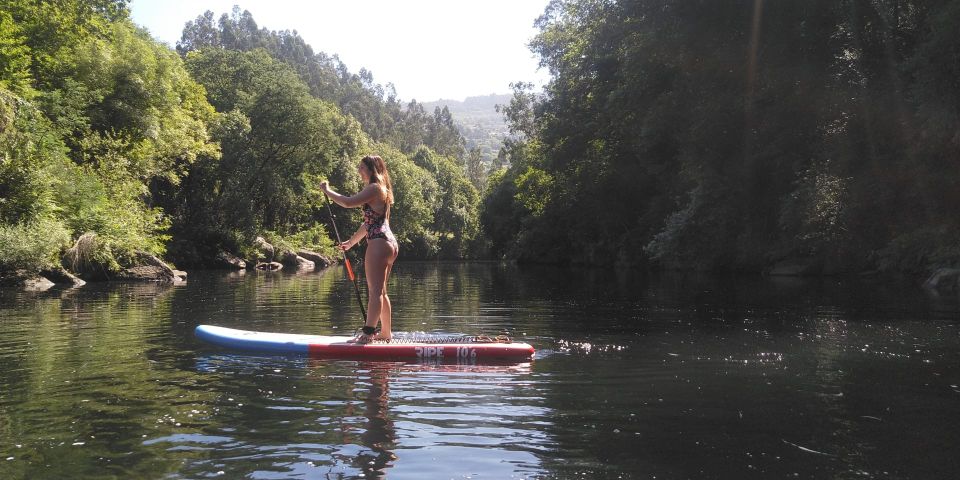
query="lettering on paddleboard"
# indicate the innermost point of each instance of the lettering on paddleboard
(437, 352)
(429, 352)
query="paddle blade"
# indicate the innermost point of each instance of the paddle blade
(349, 268)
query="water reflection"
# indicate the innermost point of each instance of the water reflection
(371, 419)
(379, 436)
(684, 376)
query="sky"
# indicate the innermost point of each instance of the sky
(428, 49)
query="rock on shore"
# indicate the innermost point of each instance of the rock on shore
(944, 280)
(319, 261)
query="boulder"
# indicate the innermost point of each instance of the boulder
(167, 275)
(61, 276)
(290, 259)
(146, 273)
(944, 280)
(319, 261)
(151, 269)
(229, 260)
(265, 248)
(152, 260)
(36, 283)
(25, 280)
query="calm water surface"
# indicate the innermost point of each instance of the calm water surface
(635, 376)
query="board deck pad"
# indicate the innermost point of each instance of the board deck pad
(403, 345)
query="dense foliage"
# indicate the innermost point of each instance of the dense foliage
(291, 117)
(118, 145)
(94, 111)
(739, 134)
(688, 134)
(381, 114)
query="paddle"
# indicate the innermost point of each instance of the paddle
(346, 261)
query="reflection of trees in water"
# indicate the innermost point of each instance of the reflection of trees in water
(78, 382)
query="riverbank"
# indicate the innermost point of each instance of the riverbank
(144, 267)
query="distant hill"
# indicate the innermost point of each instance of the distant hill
(478, 121)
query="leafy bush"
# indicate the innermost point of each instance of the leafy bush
(314, 238)
(32, 246)
(31, 158)
(922, 249)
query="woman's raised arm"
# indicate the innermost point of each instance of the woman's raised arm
(371, 192)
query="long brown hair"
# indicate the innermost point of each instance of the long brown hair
(379, 174)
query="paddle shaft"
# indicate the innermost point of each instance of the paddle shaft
(346, 261)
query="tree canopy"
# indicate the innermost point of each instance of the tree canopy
(673, 133)
(110, 135)
(737, 135)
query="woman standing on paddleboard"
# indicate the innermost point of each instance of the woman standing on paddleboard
(375, 199)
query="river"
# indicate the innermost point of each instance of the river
(636, 376)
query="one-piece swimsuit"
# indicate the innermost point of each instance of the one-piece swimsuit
(377, 225)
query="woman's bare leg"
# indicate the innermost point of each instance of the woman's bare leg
(386, 313)
(377, 266)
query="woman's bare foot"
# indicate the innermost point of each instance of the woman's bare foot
(383, 338)
(363, 338)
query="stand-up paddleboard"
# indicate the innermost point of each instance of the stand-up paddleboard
(402, 346)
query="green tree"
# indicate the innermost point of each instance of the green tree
(456, 216)
(442, 134)
(276, 140)
(475, 169)
(14, 58)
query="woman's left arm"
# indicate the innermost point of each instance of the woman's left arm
(355, 238)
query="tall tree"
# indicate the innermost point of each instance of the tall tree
(475, 169)
(274, 138)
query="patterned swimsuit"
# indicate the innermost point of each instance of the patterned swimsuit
(378, 226)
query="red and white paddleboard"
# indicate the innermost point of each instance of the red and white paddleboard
(444, 348)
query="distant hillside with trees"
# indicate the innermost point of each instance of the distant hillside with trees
(478, 121)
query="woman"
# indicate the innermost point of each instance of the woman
(375, 199)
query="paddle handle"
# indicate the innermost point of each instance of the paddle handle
(346, 261)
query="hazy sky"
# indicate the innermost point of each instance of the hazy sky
(429, 49)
